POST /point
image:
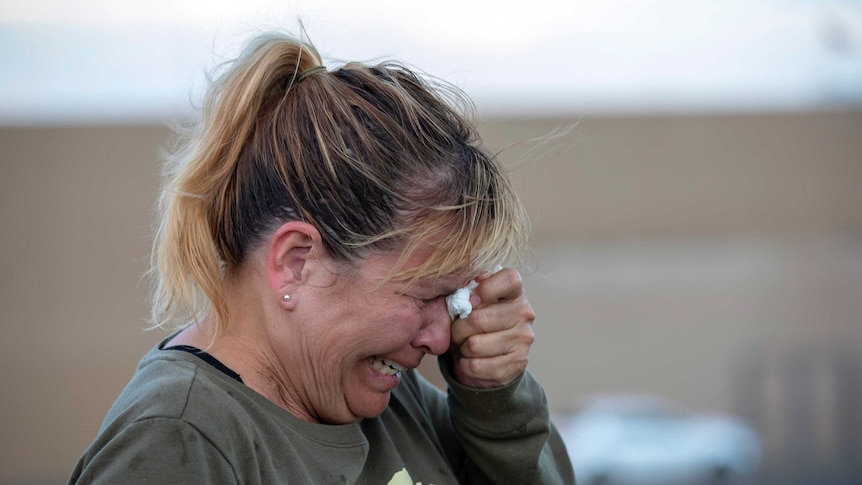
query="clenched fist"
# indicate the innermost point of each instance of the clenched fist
(489, 348)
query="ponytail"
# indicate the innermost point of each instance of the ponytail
(188, 260)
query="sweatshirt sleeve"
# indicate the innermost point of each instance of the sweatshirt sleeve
(506, 432)
(154, 450)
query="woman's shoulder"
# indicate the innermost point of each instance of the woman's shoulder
(165, 382)
(158, 419)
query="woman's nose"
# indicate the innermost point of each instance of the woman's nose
(434, 336)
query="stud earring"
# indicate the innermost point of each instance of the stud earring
(286, 298)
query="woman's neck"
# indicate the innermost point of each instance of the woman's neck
(252, 358)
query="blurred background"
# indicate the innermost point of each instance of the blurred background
(697, 212)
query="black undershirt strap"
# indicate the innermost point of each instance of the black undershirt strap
(209, 359)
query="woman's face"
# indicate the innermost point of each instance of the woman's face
(355, 337)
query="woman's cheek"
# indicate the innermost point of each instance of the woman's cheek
(406, 322)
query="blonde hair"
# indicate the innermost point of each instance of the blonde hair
(376, 158)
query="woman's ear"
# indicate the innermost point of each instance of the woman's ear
(292, 248)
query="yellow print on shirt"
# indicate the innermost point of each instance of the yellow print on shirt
(403, 478)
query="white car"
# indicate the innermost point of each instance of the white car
(647, 440)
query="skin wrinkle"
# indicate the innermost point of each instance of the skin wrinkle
(275, 374)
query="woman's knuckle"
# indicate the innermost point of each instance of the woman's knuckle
(470, 346)
(479, 320)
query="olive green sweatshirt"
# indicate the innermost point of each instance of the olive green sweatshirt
(181, 420)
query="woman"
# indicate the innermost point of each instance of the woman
(312, 225)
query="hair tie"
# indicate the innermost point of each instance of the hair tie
(308, 72)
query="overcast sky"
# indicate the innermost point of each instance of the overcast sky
(105, 60)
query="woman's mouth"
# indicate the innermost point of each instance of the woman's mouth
(385, 366)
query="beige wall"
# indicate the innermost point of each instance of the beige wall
(669, 250)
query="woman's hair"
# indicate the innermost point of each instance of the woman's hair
(376, 158)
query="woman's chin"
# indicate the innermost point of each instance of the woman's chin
(368, 395)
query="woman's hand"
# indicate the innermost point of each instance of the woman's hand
(490, 347)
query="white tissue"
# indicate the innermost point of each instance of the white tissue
(458, 302)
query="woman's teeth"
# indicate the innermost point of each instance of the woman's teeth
(387, 367)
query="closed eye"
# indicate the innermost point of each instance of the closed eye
(426, 301)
